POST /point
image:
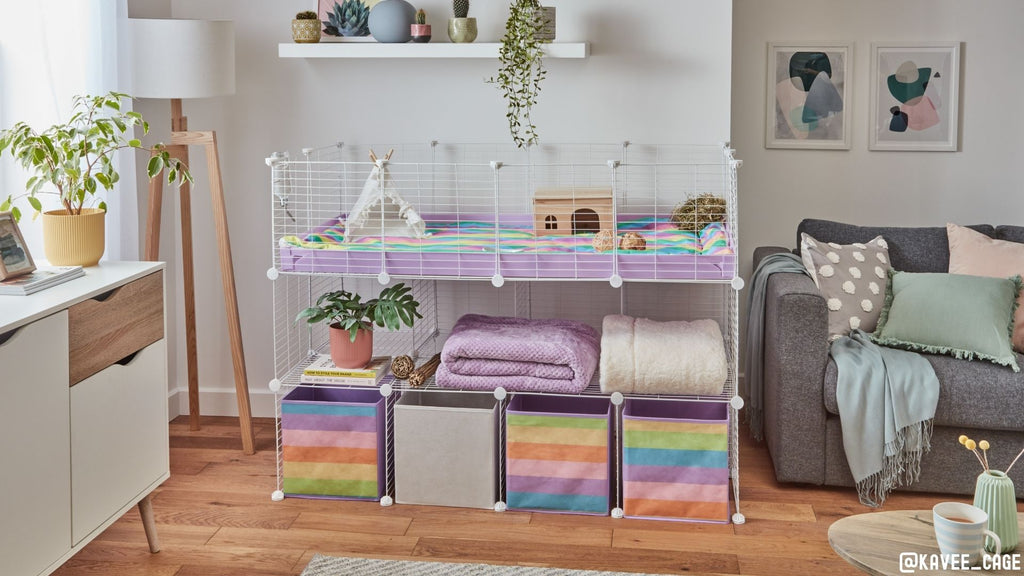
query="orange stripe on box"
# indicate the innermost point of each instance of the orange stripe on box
(529, 451)
(665, 509)
(676, 492)
(556, 469)
(333, 455)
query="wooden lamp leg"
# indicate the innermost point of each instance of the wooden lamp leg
(227, 272)
(188, 281)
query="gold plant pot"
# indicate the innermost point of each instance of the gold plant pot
(462, 30)
(306, 31)
(70, 240)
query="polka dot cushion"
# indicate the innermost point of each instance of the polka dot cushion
(852, 278)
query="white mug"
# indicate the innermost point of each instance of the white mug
(961, 529)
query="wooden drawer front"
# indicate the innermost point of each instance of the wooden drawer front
(119, 444)
(125, 321)
(35, 464)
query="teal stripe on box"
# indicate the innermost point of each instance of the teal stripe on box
(564, 502)
(662, 457)
(329, 409)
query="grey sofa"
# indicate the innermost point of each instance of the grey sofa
(801, 419)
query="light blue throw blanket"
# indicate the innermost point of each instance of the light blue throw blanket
(886, 400)
(886, 397)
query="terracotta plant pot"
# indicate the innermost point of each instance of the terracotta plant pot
(306, 31)
(420, 33)
(462, 30)
(348, 354)
(70, 240)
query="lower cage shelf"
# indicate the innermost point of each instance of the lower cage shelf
(665, 459)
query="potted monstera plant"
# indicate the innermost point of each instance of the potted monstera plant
(351, 320)
(74, 161)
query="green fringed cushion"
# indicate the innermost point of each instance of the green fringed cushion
(967, 317)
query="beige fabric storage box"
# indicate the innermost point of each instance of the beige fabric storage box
(446, 447)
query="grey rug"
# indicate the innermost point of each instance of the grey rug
(322, 565)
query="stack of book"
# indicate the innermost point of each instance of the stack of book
(40, 279)
(323, 371)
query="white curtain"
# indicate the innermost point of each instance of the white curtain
(43, 64)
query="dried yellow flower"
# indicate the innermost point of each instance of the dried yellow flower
(970, 444)
(983, 444)
(963, 438)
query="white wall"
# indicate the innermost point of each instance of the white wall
(980, 183)
(659, 72)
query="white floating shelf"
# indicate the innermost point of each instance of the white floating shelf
(413, 50)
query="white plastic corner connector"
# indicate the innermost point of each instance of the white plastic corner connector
(738, 518)
(617, 398)
(276, 158)
(617, 513)
(386, 390)
(495, 165)
(736, 402)
(613, 164)
(277, 495)
(500, 506)
(383, 278)
(615, 280)
(497, 280)
(500, 393)
(737, 283)
(272, 273)
(386, 501)
(274, 385)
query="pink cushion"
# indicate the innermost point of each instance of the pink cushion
(976, 254)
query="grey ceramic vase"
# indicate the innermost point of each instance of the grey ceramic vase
(390, 21)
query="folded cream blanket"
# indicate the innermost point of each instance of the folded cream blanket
(641, 356)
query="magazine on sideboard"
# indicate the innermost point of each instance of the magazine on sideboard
(42, 278)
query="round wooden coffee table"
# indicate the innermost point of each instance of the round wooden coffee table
(877, 543)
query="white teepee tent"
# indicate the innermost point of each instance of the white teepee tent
(380, 210)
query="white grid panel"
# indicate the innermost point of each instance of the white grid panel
(492, 186)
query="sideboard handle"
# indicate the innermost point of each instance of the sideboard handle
(105, 295)
(7, 336)
(128, 359)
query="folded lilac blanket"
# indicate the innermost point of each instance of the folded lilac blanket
(485, 352)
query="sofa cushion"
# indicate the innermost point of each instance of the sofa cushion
(852, 278)
(974, 253)
(1010, 233)
(971, 394)
(964, 316)
(910, 249)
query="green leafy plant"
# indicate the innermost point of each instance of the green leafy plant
(75, 159)
(460, 8)
(521, 68)
(351, 18)
(306, 15)
(392, 308)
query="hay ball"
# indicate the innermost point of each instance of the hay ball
(603, 241)
(632, 241)
(696, 213)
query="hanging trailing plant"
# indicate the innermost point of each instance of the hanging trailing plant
(521, 69)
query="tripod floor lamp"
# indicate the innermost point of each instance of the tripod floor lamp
(182, 59)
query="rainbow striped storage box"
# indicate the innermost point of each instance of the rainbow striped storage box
(675, 457)
(559, 454)
(332, 443)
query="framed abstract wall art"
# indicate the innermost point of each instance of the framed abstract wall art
(808, 96)
(914, 96)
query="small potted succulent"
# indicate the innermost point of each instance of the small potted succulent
(420, 30)
(306, 27)
(348, 19)
(351, 320)
(461, 28)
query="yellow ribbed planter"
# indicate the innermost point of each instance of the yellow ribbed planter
(70, 240)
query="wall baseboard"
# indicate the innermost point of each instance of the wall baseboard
(220, 402)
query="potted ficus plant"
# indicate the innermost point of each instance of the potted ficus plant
(74, 161)
(521, 66)
(351, 320)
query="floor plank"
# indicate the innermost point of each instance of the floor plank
(215, 516)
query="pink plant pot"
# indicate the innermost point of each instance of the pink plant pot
(348, 354)
(420, 32)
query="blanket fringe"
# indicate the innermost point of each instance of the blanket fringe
(901, 465)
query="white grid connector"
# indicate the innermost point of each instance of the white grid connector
(272, 273)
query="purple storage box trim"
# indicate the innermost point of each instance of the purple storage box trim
(305, 395)
(711, 412)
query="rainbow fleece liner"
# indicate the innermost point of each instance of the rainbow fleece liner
(516, 235)
(558, 454)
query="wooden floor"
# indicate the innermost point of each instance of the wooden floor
(215, 518)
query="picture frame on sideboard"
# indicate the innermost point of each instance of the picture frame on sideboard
(15, 259)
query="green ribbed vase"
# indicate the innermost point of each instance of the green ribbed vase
(994, 494)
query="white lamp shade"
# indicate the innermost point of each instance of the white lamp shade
(182, 58)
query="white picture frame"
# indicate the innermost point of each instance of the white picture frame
(796, 71)
(909, 112)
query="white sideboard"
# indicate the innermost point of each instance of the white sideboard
(83, 424)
